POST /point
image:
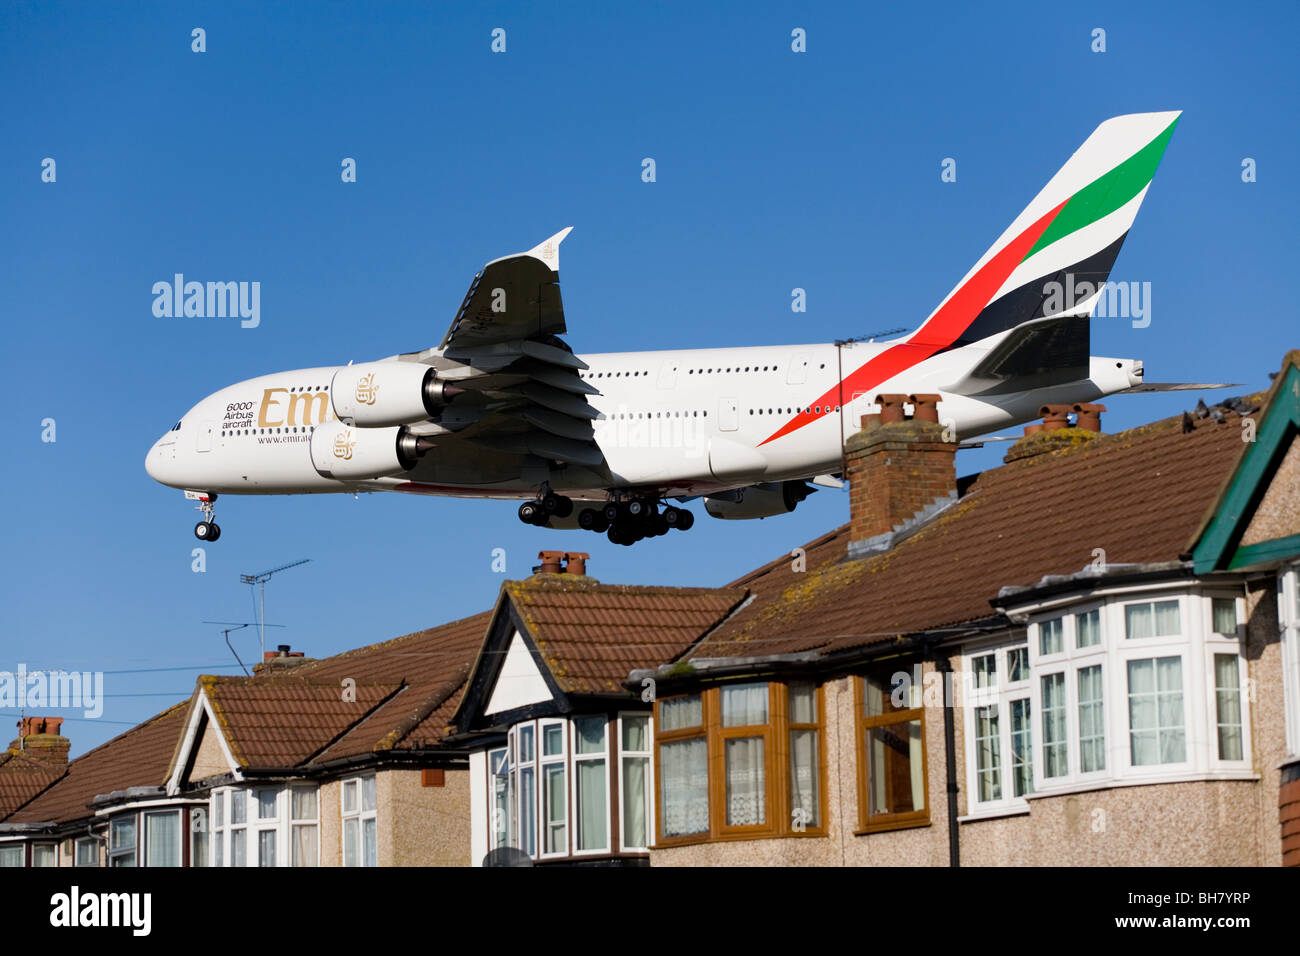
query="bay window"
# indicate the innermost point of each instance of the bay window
(634, 779)
(162, 838)
(360, 825)
(590, 785)
(121, 841)
(266, 802)
(739, 761)
(1157, 732)
(891, 750)
(278, 825)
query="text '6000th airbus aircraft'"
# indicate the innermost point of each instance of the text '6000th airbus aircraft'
(503, 408)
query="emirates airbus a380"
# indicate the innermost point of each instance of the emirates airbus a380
(503, 408)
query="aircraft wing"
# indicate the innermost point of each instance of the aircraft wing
(504, 344)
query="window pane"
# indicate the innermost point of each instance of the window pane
(304, 803)
(162, 839)
(306, 846)
(44, 855)
(266, 804)
(351, 842)
(370, 841)
(887, 690)
(590, 732)
(1156, 711)
(219, 845)
(803, 702)
(1225, 616)
(1053, 716)
(11, 856)
(528, 810)
(985, 668)
(635, 786)
(238, 808)
(219, 809)
(678, 713)
(87, 853)
(636, 734)
(805, 779)
(552, 739)
(238, 857)
(526, 744)
(553, 807)
(684, 777)
(746, 803)
(1087, 629)
(1022, 748)
(367, 793)
(500, 800)
(266, 848)
(894, 768)
(199, 837)
(1050, 636)
(744, 705)
(1017, 664)
(988, 762)
(1227, 698)
(1156, 619)
(350, 794)
(591, 812)
(1092, 720)
(123, 833)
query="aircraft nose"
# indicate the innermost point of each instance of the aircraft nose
(159, 462)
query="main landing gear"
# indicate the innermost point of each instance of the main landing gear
(625, 521)
(207, 529)
(540, 510)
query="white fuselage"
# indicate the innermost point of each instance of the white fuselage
(683, 422)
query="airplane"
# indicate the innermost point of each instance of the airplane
(504, 408)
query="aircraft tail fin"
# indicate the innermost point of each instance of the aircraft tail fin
(1054, 259)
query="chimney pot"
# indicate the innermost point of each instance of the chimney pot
(576, 562)
(1056, 416)
(1089, 415)
(40, 739)
(925, 407)
(550, 562)
(891, 408)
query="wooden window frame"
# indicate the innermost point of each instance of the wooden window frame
(776, 767)
(887, 821)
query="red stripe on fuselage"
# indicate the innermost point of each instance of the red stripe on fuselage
(952, 319)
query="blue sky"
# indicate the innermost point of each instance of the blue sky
(775, 170)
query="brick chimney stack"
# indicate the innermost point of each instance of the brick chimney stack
(40, 739)
(897, 468)
(282, 659)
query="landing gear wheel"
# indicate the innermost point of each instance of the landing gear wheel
(530, 512)
(216, 532)
(205, 531)
(557, 505)
(589, 519)
(661, 526)
(685, 519)
(636, 508)
(610, 511)
(672, 516)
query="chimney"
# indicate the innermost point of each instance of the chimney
(282, 659)
(562, 562)
(1055, 431)
(40, 739)
(898, 469)
(576, 562)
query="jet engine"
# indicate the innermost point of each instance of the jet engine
(347, 453)
(758, 501)
(375, 394)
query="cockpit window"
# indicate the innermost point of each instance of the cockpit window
(177, 426)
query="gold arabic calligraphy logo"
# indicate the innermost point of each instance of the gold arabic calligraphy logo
(367, 389)
(343, 445)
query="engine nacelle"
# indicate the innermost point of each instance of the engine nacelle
(375, 394)
(347, 453)
(758, 501)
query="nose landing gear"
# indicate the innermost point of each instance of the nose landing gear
(207, 529)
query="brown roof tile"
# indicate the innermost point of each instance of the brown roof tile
(138, 758)
(1139, 495)
(22, 778)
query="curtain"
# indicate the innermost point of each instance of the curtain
(370, 838)
(1087, 629)
(162, 839)
(591, 735)
(987, 759)
(553, 810)
(304, 803)
(636, 734)
(684, 776)
(238, 809)
(1225, 616)
(1049, 637)
(527, 810)
(305, 846)
(804, 777)
(1092, 728)
(744, 705)
(266, 848)
(237, 855)
(1159, 619)
(634, 801)
(591, 810)
(1227, 694)
(1054, 743)
(746, 800)
(1169, 674)
(1155, 705)
(351, 842)
(803, 703)
(677, 713)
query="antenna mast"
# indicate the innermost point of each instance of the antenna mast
(260, 580)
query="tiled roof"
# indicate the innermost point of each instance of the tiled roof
(1139, 495)
(22, 778)
(405, 691)
(591, 635)
(138, 758)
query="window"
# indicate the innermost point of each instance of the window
(199, 836)
(87, 852)
(162, 838)
(1087, 629)
(121, 841)
(740, 761)
(499, 774)
(45, 854)
(1288, 616)
(891, 748)
(1224, 614)
(1051, 639)
(1000, 752)
(1092, 719)
(1157, 731)
(11, 855)
(360, 827)
(304, 826)
(634, 780)
(1227, 702)
(1055, 744)
(526, 761)
(1152, 619)
(238, 828)
(590, 785)
(555, 791)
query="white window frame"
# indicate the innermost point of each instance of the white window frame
(1288, 620)
(577, 758)
(292, 824)
(361, 815)
(1000, 695)
(142, 835)
(648, 797)
(132, 851)
(77, 844)
(550, 760)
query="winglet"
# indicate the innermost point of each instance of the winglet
(549, 251)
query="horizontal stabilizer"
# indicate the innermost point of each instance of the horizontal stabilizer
(1173, 387)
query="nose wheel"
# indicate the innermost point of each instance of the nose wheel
(207, 529)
